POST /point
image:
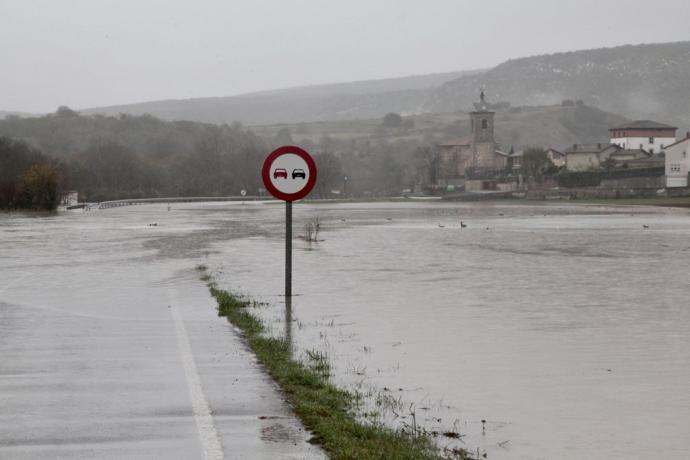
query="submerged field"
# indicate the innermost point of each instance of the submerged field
(552, 323)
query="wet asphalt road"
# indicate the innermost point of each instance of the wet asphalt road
(111, 351)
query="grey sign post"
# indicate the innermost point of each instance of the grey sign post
(288, 249)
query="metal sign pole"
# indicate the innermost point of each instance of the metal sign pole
(288, 250)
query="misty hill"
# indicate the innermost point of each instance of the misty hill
(66, 132)
(643, 81)
(5, 114)
(142, 156)
(341, 101)
(519, 127)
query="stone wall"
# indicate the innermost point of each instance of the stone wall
(634, 182)
(629, 187)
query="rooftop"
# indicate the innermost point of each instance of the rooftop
(679, 141)
(556, 151)
(643, 124)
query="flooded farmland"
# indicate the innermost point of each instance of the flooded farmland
(534, 332)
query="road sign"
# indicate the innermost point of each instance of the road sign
(289, 173)
(243, 192)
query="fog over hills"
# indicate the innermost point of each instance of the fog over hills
(339, 101)
(641, 81)
(8, 113)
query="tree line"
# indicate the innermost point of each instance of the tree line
(28, 179)
(107, 158)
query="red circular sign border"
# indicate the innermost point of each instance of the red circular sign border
(266, 172)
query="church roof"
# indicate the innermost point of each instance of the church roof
(466, 140)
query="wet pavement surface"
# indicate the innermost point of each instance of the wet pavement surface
(111, 347)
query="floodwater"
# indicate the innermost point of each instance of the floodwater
(563, 327)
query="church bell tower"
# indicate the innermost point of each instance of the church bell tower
(482, 122)
(483, 142)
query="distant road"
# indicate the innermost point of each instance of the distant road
(117, 203)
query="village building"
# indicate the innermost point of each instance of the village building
(677, 163)
(473, 155)
(647, 135)
(515, 160)
(556, 156)
(584, 157)
(637, 159)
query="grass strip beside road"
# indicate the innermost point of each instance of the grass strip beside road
(326, 410)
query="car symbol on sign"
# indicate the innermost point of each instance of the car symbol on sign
(280, 172)
(299, 173)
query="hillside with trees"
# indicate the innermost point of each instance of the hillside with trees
(128, 156)
(28, 179)
(106, 158)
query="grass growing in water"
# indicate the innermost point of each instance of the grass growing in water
(327, 411)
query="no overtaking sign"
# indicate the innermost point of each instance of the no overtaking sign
(289, 174)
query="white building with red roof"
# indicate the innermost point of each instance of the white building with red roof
(647, 135)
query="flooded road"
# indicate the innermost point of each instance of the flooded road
(563, 327)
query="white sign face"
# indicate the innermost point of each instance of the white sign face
(243, 192)
(289, 173)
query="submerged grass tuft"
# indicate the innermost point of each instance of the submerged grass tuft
(327, 411)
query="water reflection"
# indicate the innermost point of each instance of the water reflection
(288, 323)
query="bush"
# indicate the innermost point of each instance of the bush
(392, 120)
(27, 178)
(634, 172)
(39, 187)
(570, 179)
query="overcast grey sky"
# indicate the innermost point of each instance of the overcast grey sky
(85, 53)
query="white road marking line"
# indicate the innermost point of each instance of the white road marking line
(13, 282)
(208, 435)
